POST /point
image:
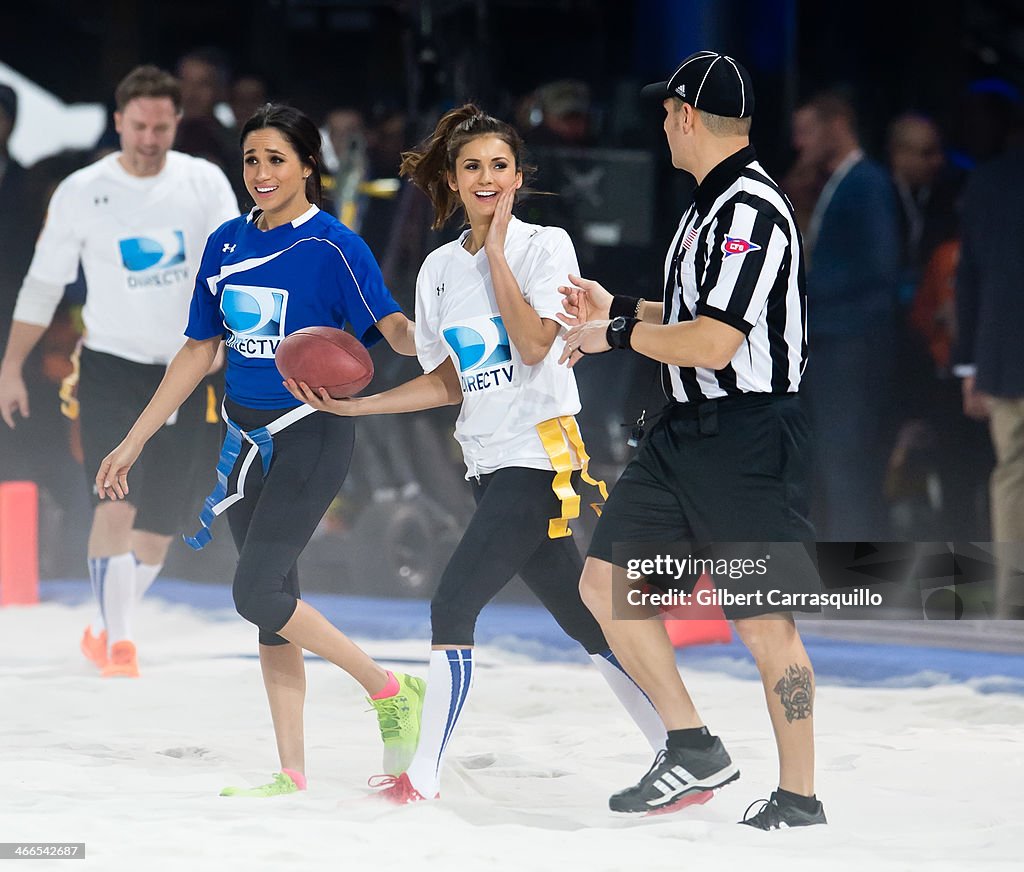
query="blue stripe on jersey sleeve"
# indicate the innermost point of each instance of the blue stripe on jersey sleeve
(366, 297)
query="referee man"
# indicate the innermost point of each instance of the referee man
(726, 460)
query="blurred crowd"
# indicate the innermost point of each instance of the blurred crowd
(901, 395)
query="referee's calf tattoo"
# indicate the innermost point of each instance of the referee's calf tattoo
(796, 690)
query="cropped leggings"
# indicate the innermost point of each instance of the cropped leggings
(508, 534)
(274, 522)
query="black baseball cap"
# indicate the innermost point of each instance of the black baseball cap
(711, 82)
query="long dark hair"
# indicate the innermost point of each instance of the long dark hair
(428, 165)
(299, 129)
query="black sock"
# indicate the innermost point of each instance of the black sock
(804, 803)
(697, 738)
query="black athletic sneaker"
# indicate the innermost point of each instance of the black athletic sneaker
(778, 812)
(678, 778)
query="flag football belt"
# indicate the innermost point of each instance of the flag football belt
(68, 392)
(211, 405)
(261, 441)
(553, 435)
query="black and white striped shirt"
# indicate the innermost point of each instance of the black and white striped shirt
(737, 258)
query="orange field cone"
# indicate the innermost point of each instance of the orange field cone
(19, 543)
(702, 624)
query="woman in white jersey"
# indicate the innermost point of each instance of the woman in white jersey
(284, 266)
(487, 336)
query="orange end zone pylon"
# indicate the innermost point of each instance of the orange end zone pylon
(703, 624)
(19, 543)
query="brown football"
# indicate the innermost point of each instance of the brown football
(325, 357)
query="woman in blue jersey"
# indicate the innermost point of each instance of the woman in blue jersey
(487, 337)
(284, 266)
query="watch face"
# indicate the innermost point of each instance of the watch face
(618, 324)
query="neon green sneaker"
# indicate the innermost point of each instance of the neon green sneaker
(399, 720)
(281, 784)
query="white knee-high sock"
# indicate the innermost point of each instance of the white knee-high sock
(113, 580)
(97, 625)
(633, 699)
(145, 575)
(449, 678)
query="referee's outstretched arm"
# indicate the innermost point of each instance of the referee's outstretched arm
(704, 342)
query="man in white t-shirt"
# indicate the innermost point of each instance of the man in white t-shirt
(137, 220)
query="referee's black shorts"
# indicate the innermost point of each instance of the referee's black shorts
(112, 392)
(733, 471)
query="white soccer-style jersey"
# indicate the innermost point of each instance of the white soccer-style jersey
(457, 316)
(140, 241)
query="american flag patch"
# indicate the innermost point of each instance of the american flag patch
(688, 240)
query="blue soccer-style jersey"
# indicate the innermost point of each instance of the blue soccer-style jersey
(255, 287)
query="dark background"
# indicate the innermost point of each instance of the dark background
(423, 57)
(323, 53)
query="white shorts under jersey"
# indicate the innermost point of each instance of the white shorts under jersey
(139, 241)
(457, 316)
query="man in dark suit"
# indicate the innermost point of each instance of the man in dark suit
(990, 354)
(853, 252)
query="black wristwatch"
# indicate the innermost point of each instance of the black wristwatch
(619, 331)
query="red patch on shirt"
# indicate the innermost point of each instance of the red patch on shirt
(738, 245)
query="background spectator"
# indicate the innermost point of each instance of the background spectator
(559, 113)
(204, 74)
(940, 459)
(347, 165)
(247, 94)
(990, 317)
(853, 256)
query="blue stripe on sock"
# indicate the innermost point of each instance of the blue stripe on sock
(467, 678)
(456, 678)
(466, 671)
(455, 668)
(461, 671)
(98, 577)
(611, 658)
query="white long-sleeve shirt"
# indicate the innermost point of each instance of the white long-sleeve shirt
(139, 240)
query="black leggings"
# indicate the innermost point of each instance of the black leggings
(508, 534)
(276, 519)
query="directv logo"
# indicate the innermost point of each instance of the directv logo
(158, 250)
(483, 352)
(254, 318)
(480, 350)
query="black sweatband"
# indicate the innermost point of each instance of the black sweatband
(621, 338)
(627, 307)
